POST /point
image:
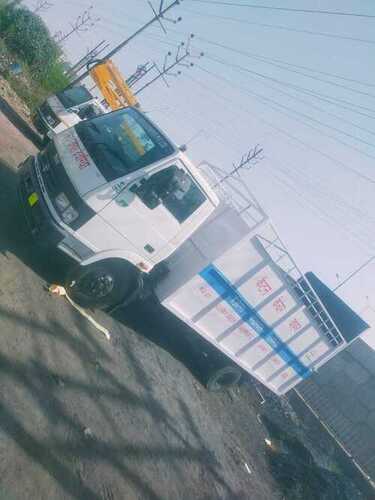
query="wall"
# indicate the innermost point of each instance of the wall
(342, 393)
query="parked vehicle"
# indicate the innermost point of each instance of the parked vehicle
(66, 109)
(113, 86)
(120, 198)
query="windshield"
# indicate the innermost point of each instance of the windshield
(122, 142)
(74, 96)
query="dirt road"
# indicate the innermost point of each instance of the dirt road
(82, 418)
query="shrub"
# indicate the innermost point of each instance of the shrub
(26, 39)
(28, 36)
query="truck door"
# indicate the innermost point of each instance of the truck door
(156, 212)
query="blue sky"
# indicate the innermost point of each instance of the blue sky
(306, 98)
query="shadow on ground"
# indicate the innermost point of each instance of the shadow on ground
(80, 416)
(20, 123)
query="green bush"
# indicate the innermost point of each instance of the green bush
(28, 36)
(27, 40)
(54, 79)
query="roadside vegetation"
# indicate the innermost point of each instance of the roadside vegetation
(30, 59)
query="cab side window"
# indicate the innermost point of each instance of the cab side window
(175, 189)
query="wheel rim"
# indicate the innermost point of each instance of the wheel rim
(95, 284)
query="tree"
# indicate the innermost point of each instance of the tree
(29, 38)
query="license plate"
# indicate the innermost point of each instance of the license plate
(33, 199)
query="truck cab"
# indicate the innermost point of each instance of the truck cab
(116, 195)
(66, 109)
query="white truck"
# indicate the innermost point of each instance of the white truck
(117, 196)
(65, 109)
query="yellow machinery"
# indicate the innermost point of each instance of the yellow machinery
(113, 86)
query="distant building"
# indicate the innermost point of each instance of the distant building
(342, 392)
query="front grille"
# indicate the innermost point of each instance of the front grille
(49, 115)
(57, 181)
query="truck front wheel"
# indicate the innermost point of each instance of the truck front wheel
(101, 284)
(224, 378)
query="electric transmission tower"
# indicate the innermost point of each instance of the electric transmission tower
(84, 22)
(42, 6)
(248, 161)
(181, 59)
(159, 16)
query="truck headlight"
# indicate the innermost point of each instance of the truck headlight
(62, 202)
(68, 213)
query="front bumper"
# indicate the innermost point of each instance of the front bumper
(39, 219)
(43, 227)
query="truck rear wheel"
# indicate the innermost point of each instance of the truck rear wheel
(224, 378)
(101, 284)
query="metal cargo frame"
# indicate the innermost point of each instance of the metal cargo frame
(235, 192)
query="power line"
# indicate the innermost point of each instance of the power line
(82, 23)
(274, 103)
(282, 82)
(268, 60)
(283, 28)
(348, 231)
(261, 57)
(355, 272)
(217, 126)
(157, 17)
(42, 6)
(282, 131)
(209, 133)
(322, 213)
(286, 9)
(313, 77)
(307, 103)
(364, 236)
(313, 70)
(247, 161)
(176, 63)
(319, 187)
(318, 95)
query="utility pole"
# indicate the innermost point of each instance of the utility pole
(92, 54)
(141, 71)
(178, 61)
(42, 6)
(247, 162)
(158, 17)
(84, 22)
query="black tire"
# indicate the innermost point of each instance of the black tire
(224, 378)
(102, 285)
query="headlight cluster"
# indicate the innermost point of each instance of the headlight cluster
(67, 212)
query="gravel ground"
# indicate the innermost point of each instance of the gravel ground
(82, 418)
